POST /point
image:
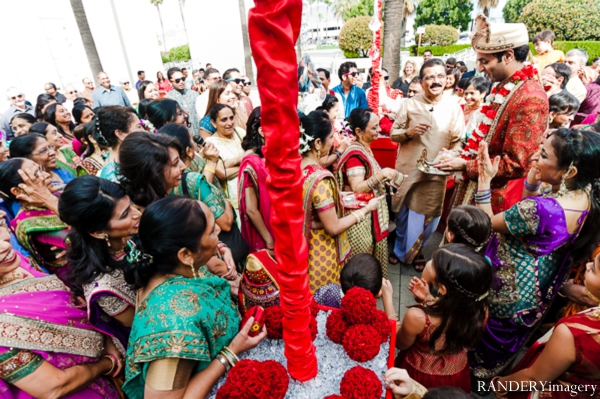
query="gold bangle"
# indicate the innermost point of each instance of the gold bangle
(223, 360)
(496, 391)
(113, 363)
(393, 317)
(209, 169)
(226, 349)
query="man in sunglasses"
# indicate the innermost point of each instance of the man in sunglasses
(186, 98)
(237, 82)
(131, 94)
(17, 106)
(107, 94)
(351, 96)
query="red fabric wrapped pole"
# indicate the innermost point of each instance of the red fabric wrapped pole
(274, 26)
(375, 55)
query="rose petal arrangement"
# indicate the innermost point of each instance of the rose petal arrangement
(251, 379)
(359, 327)
(359, 383)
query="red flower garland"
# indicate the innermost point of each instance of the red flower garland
(274, 322)
(251, 379)
(358, 306)
(360, 383)
(490, 111)
(336, 326)
(381, 324)
(361, 342)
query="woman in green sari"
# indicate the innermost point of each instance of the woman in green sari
(185, 330)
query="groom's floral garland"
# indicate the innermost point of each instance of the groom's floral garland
(489, 111)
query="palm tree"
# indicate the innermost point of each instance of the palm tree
(340, 7)
(409, 8)
(157, 3)
(86, 36)
(392, 34)
(181, 8)
(246, 40)
(487, 5)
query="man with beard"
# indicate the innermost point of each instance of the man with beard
(428, 121)
(17, 106)
(512, 121)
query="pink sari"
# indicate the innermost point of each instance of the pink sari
(39, 321)
(253, 174)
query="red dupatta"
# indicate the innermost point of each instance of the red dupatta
(379, 216)
(253, 173)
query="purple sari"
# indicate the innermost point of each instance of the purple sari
(531, 265)
(40, 322)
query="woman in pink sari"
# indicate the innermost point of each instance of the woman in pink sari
(47, 348)
(254, 203)
(38, 228)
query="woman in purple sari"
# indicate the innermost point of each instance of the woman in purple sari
(536, 241)
(102, 220)
(255, 205)
(47, 348)
(37, 227)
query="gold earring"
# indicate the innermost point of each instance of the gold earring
(193, 270)
(319, 153)
(563, 190)
(107, 240)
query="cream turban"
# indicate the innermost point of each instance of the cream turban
(493, 38)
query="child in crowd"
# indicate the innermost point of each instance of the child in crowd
(563, 107)
(363, 271)
(467, 225)
(434, 336)
(543, 42)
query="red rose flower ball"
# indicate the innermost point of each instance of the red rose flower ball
(336, 326)
(381, 323)
(314, 308)
(360, 383)
(274, 379)
(274, 322)
(361, 342)
(358, 306)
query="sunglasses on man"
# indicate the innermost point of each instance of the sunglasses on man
(237, 81)
(19, 96)
(75, 91)
(182, 79)
(248, 83)
(353, 74)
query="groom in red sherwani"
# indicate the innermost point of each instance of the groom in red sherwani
(519, 112)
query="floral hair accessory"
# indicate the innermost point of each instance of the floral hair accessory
(134, 255)
(304, 141)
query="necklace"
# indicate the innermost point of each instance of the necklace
(12, 276)
(592, 296)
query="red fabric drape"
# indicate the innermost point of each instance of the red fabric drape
(375, 54)
(274, 26)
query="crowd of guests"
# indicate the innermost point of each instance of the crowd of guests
(125, 232)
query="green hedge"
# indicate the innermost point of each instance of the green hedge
(180, 53)
(438, 51)
(592, 48)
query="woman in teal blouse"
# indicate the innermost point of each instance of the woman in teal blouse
(185, 330)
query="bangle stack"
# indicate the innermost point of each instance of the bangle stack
(360, 216)
(483, 197)
(227, 358)
(209, 169)
(337, 154)
(532, 188)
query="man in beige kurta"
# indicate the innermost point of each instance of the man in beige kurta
(428, 121)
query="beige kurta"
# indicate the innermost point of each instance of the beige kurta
(420, 192)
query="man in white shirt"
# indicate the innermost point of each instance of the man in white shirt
(17, 106)
(576, 60)
(131, 94)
